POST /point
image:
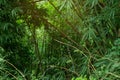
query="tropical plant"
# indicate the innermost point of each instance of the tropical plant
(59, 39)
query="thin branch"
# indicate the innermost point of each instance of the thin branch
(64, 68)
(66, 20)
(70, 46)
(117, 76)
(16, 69)
(10, 74)
(66, 44)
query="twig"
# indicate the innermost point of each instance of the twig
(64, 68)
(117, 76)
(16, 69)
(10, 74)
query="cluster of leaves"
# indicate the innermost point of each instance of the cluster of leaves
(13, 40)
(61, 39)
(108, 66)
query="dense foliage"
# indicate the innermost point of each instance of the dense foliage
(59, 40)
